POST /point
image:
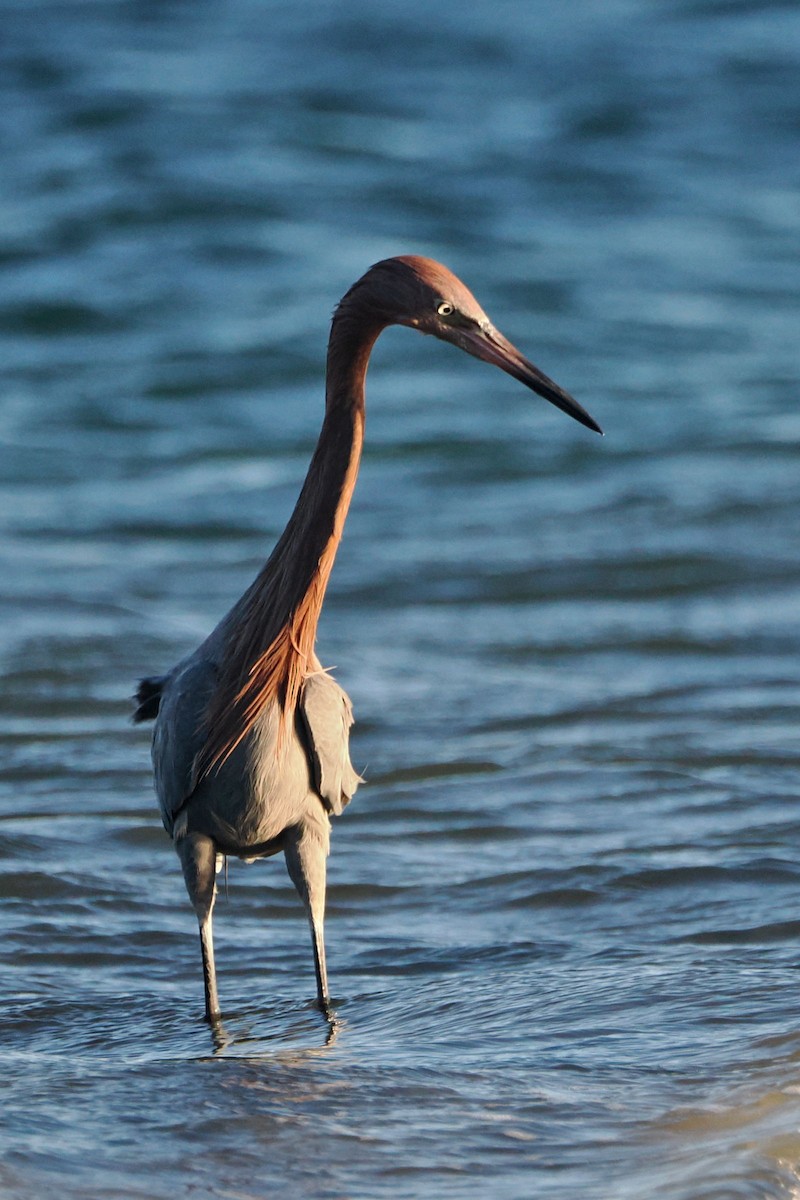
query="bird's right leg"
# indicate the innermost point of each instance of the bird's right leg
(305, 850)
(198, 856)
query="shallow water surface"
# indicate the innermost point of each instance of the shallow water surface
(564, 912)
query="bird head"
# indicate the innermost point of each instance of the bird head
(424, 295)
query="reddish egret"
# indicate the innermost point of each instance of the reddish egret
(251, 741)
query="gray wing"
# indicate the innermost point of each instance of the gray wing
(179, 735)
(327, 715)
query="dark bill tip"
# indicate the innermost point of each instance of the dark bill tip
(539, 383)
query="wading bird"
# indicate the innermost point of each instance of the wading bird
(251, 741)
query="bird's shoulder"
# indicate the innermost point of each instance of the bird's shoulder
(326, 718)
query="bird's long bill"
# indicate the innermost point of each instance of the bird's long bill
(492, 347)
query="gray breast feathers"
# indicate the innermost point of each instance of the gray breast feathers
(326, 716)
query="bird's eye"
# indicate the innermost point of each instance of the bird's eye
(445, 309)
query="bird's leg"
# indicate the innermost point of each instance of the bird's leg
(305, 851)
(198, 857)
(209, 971)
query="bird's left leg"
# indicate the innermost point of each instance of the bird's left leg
(198, 858)
(305, 849)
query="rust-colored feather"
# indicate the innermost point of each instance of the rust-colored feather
(271, 646)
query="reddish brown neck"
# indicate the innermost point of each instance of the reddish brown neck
(270, 645)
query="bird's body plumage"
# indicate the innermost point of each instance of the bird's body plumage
(251, 740)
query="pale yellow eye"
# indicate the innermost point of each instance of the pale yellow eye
(445, 309)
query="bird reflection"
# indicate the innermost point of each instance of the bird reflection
(224, 1039)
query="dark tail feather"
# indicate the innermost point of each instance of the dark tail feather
(148, 698)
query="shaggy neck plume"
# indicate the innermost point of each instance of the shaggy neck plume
(271, 637)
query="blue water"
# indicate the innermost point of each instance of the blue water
(564, 917)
